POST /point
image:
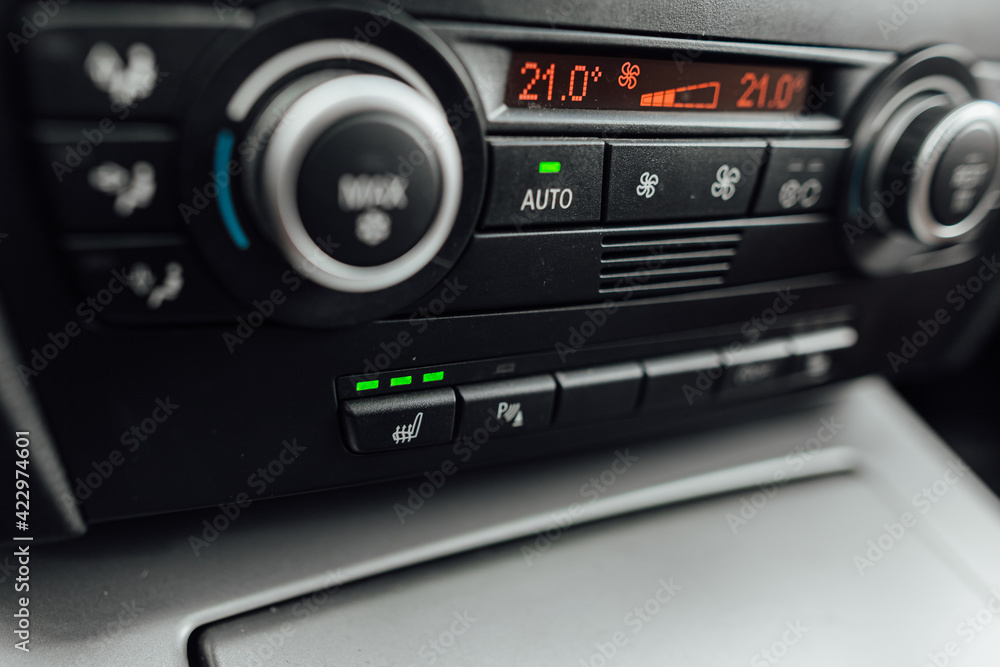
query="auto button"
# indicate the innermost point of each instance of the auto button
(544, 182)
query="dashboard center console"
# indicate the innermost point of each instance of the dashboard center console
(414, 245)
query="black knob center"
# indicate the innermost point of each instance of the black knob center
(965, 170)
(369, 188)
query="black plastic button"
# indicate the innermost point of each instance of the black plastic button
(682, 380)
(670, 180)
(963, 174)
(147, 279)
(544, 182)
(597, 393)
(370, 189)
(757, 373)
(758, 367)
(815, 367)
(413, 419)
(118, 62)
(506, 408)
(122, 180)
(816, 355)
(801, 176)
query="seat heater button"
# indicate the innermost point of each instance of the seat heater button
(399, 421)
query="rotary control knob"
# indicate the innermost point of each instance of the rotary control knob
(359, 179)
(922, 175)
(947, 159)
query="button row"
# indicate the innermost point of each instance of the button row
(540, 182)
(107, 83)
(488, 410)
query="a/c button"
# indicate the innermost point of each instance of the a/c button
(544, 182)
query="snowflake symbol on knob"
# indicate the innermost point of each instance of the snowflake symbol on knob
(373, 227)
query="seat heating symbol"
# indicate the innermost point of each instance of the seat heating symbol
(408, 432)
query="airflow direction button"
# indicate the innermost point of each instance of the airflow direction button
(121, 62)
(118, 182)
(146, 279)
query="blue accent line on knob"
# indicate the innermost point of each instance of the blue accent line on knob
(223, 153)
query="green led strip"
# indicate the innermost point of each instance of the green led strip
(366, 385)
(397, 382)
(433, 377)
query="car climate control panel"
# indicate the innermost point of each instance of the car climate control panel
(386, 235)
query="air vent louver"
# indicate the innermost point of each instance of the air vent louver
(681, 260)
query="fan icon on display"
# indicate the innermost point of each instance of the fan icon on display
(629, 76)
(726, 179)
(647, 185)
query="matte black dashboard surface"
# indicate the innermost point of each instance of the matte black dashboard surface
(882, 24)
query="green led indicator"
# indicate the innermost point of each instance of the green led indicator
(367, 384)
(397, 382)
(433, 377)
(549, 167)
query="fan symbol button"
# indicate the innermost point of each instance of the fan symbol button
(647, 185)
(726, 179)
